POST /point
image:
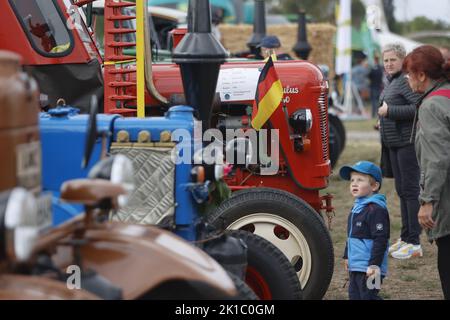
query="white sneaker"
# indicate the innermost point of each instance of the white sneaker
(408, 251)
(397, 245)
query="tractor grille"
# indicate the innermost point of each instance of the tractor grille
(323, 113)
(154, 174)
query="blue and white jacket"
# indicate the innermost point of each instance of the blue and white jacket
(368, 234)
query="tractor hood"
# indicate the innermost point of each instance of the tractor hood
(63, 137)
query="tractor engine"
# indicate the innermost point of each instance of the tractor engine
(301, 121)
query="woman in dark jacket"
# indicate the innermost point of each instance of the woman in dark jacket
(429, 74)
(398, 106)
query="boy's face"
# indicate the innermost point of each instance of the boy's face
(361, 186)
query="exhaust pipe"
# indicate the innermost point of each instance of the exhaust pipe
(259, 27)
(199, 55)
(302, 48)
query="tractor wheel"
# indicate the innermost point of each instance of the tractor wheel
(244, 291)
(335, 143)
(340, 129)
(291, 225)
(269, 273)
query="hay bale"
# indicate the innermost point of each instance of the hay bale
(320, 36)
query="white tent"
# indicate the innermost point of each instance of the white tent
(384, 38)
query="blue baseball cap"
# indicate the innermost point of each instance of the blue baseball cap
(270, 42)
(365, 167)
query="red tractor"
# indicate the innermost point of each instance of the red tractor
(285, 208)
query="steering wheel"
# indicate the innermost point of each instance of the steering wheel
(92, 134)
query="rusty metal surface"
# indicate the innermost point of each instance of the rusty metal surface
(139, 258)
(19, 133)
(9, 63)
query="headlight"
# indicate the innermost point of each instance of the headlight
(122, 173)
(21, 224)
(301, 121)
(118, 169)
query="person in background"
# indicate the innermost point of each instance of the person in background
(217, 16)
(270, 46)
(428, 74)
(360, 72)
(368, 229)
(398, 106)
(376, 84)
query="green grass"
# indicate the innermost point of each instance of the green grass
(409, 266)
(408, 278)
(396, 226)
(360, 125)
(359, 150)
(385, 295)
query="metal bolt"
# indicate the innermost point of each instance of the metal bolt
(123, 136)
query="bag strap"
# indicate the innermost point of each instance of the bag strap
(426, 95)
(440, 93)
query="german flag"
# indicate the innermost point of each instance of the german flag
(269, 94)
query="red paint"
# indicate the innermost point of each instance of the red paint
(258, 284)
(177, 35)
(308, 167)
(13, 38)
(301, 173)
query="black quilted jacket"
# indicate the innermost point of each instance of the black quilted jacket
(396, 127)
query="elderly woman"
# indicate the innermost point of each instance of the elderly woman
(429, 74)
(398, 106)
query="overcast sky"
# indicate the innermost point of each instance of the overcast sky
(432, 9)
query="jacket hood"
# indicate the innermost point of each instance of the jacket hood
(360, 203)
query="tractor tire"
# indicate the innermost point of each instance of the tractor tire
(334, 143)
(340, 129)
(244, 291)
(269, 274)
(290, 224)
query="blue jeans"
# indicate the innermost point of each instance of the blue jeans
(358, 290)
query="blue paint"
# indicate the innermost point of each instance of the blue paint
(63, 136)
(179, 117)
(62, 212)
(63, 141)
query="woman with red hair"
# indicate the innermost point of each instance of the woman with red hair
(428, 73)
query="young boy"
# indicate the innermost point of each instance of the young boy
(368, 231)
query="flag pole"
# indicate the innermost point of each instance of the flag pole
(344, 51)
